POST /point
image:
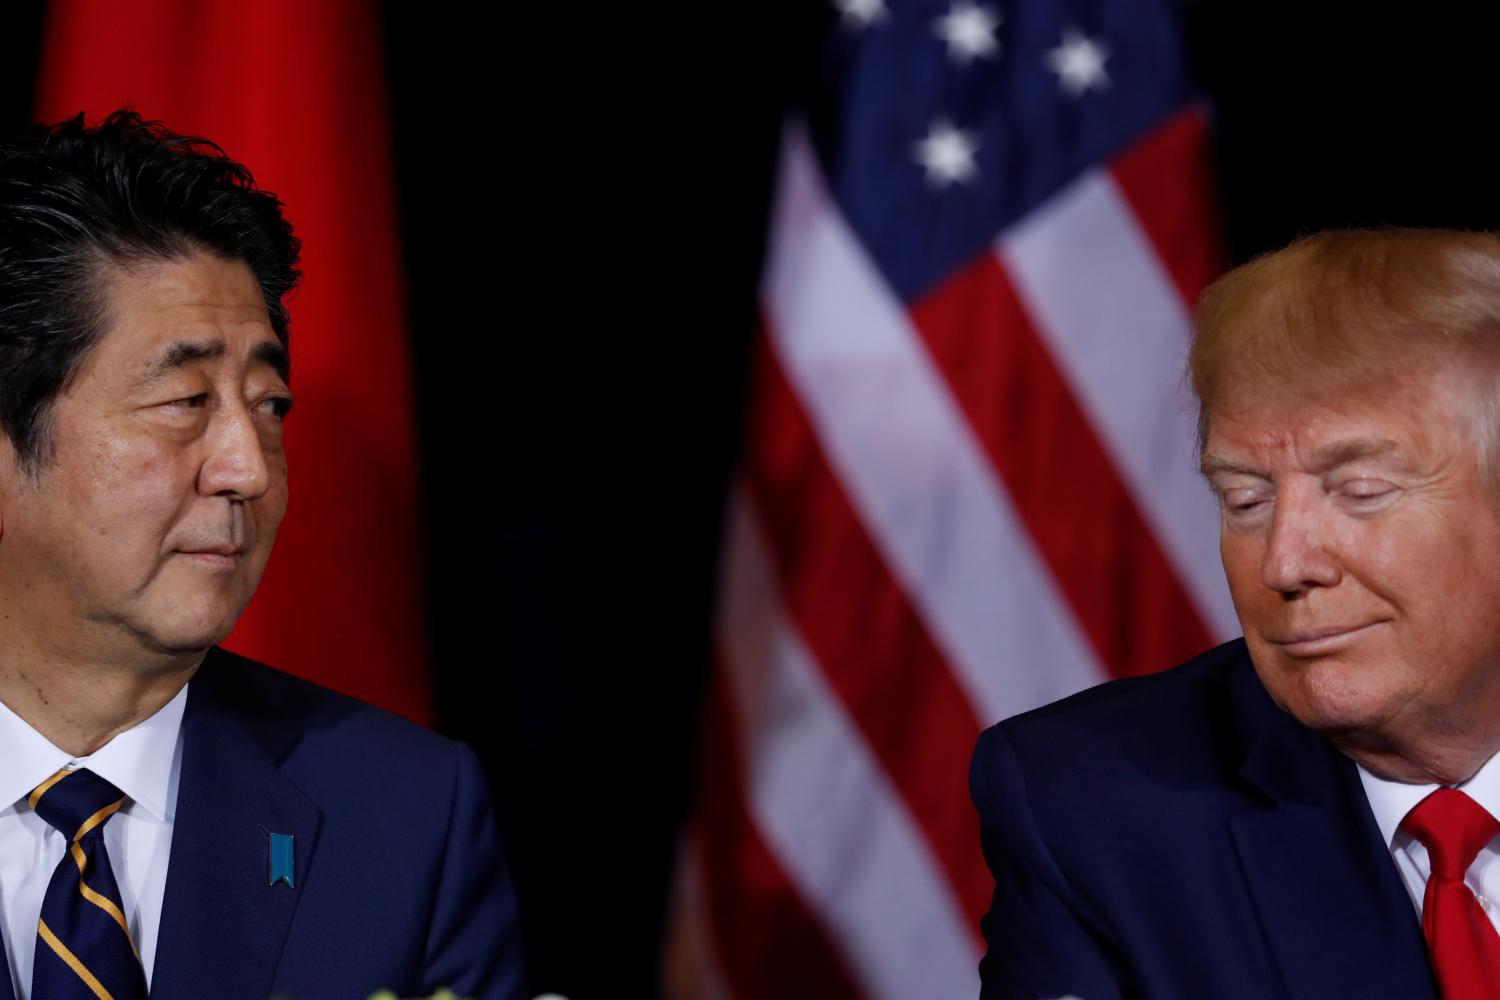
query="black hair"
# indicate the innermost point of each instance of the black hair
(75, 200)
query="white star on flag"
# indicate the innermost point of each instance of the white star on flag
(1079, 63)
(969, 31)
(947, 154)
(861, 13)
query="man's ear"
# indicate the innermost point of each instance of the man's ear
(10, 477)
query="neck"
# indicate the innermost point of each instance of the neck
(81, 703)
(1426, 763)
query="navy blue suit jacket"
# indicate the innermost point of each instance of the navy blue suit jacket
(1179, 835)
(399, 880)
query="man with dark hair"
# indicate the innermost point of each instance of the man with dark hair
(1311, 810)
(173, 816)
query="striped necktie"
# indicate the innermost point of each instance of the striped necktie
(83, 945)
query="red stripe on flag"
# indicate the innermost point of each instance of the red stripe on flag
(862, 630)
(769, 944)
(1127, 597)
(1167, 177)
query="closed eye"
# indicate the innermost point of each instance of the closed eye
(1368, 495)
(1242, 501)
(192, 402)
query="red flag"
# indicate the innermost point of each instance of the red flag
(295, 91)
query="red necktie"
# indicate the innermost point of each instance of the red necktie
(1463, 944)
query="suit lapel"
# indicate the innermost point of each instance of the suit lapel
(222, 924)
(1335, 913)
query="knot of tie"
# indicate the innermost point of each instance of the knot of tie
(84, 947)
(1454, 829)
(75, 803)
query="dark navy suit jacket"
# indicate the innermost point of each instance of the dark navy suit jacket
(399, 880)
(1179, 835)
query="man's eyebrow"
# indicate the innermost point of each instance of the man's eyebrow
(182, 352)
(1324, 459)
(179, 353)
(275, 355)
(1209, 464)
(1343, 452)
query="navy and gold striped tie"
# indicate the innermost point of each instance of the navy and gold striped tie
(83, 945)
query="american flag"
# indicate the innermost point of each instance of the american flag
(968, 484)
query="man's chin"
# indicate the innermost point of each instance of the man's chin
(1331, 702)
(184, 636)
(178, 646)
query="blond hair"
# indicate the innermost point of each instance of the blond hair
(1351, 309)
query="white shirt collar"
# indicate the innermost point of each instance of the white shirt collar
(138, 761)
(1390, 801)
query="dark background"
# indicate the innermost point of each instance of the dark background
(582, 208)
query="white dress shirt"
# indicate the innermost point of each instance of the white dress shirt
(1390, 801)
(143, 762)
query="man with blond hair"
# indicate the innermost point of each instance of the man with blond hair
(1307, 811)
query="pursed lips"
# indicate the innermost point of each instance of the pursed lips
(221, 551)
(215, 555)
(1320, 639)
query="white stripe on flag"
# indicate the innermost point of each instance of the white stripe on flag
(909, 461)
(821, 802)
(1118, 329)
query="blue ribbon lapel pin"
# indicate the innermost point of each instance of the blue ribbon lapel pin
(282, 859)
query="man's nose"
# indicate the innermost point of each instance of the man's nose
(1299, 553)
(235, 465)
